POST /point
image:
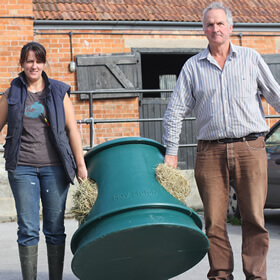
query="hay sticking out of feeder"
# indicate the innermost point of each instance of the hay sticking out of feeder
(84, 198)
(173, 180)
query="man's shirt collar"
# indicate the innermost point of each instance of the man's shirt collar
(207, 55)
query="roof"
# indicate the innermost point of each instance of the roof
(246, 11)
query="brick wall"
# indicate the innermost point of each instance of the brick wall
(16, 28)
(16, 31)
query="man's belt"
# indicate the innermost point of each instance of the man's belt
(250, 137)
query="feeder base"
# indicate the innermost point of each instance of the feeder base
(151, 244)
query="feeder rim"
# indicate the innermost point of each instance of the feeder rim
(124, 141)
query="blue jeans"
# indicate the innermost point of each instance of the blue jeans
(28, 184)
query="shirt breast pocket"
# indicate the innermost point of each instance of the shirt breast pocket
(245, 87)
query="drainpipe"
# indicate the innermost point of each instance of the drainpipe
(72, 64)
(240, 36)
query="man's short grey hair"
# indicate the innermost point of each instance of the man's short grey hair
(218, 6)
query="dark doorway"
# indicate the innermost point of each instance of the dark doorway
(155, 65)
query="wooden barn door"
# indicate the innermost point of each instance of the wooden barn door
(109, 71)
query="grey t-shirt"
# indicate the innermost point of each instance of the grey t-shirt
(36, 149)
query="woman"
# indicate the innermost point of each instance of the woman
(43, 153)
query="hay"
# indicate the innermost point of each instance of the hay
(84, 198)
(173, 180)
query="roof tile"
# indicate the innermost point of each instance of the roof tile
(152, 10)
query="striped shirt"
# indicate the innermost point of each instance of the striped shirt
(226, 102)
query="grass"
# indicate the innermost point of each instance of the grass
(234, 221)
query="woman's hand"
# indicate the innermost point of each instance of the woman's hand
(82, 173)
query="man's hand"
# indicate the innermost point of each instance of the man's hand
(171, 160)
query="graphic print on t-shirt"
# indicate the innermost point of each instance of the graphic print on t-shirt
(34, 110)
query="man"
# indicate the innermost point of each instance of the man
(222, 85)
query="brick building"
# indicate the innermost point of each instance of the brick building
(154, 36)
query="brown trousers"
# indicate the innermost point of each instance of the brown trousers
(246, 163)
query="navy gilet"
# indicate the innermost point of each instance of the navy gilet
(56, 116)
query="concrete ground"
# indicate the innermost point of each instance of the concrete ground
(10, 266)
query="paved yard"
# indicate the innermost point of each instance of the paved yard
(10, 267)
